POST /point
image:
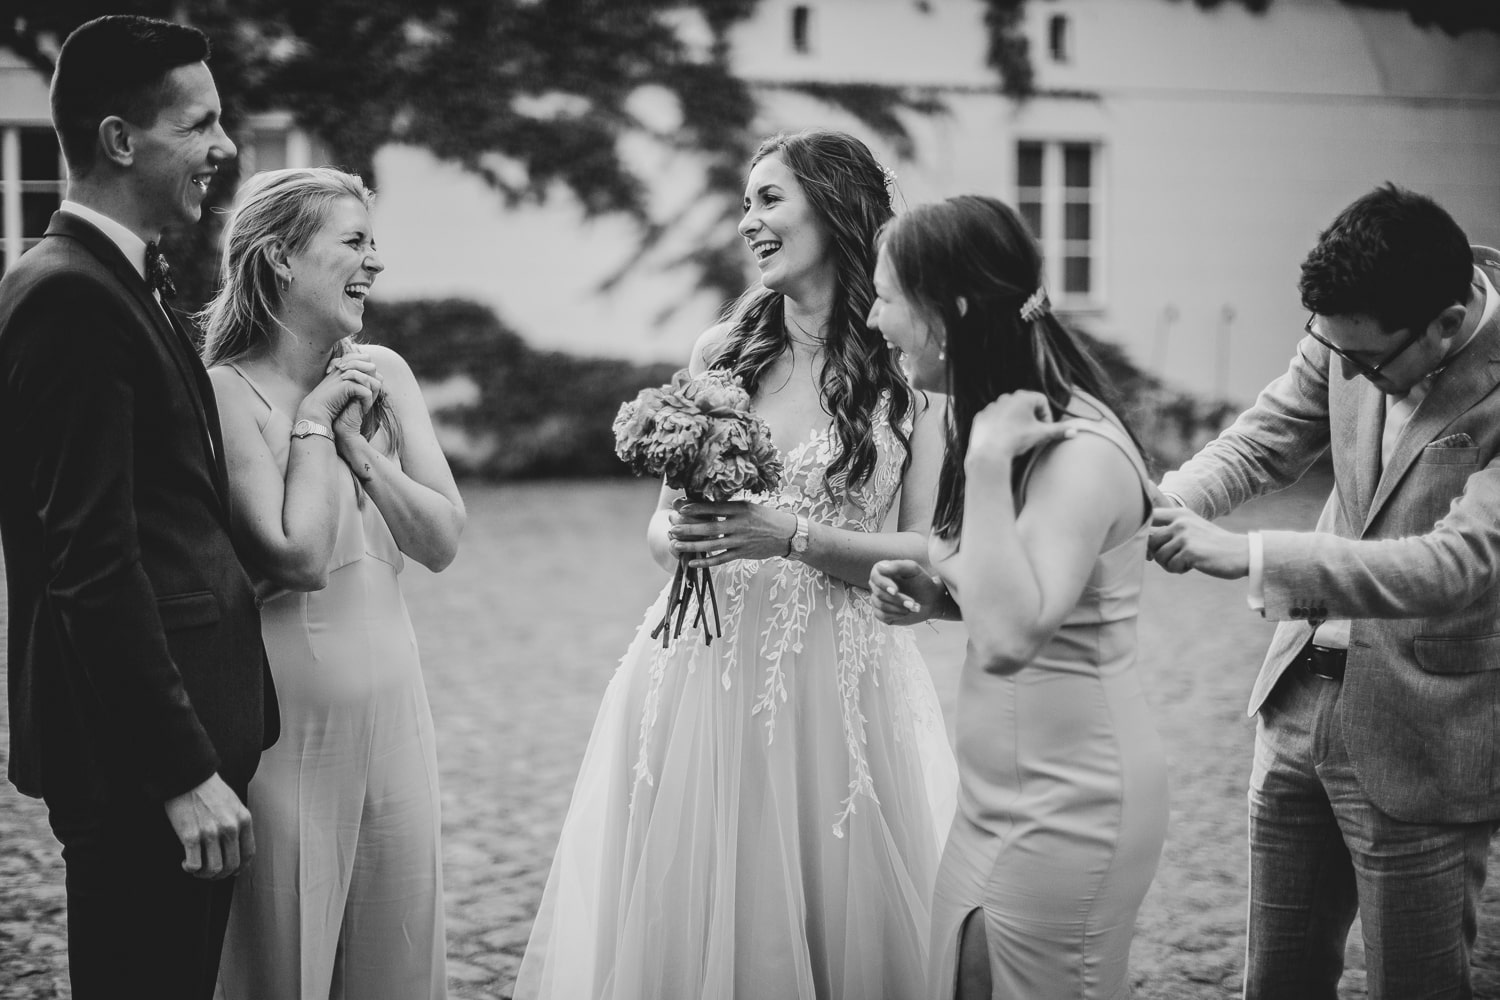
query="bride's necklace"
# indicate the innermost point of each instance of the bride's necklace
(806, 340)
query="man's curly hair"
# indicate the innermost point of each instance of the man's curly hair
(1393, 255)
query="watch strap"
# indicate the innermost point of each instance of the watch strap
(800, 537)
(309, 428)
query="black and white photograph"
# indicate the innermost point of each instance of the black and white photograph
(750, 500)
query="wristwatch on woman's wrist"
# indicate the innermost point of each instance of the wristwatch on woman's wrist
(796, 546)
(308, 428)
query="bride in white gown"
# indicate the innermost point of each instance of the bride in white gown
(763, 817)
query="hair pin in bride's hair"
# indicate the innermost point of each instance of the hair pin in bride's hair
(1036, 305)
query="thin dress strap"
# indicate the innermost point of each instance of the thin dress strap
(234, 366)
(1108, 427)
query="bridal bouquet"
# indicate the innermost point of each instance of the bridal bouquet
(699, 435)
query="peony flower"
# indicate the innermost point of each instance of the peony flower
(672, 448)
(729, 435)
(715, 392)
(633, 422)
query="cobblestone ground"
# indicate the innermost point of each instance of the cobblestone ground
(519, 638)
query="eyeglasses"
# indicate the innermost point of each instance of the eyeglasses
(1367, 370)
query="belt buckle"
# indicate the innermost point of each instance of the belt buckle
(1324, 662)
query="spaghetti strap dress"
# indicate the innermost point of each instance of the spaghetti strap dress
(344, 897)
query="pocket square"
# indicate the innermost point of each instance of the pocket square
(1459, 440)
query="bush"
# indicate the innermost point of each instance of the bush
(504, 409)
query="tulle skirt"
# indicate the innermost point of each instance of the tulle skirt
(758, 818)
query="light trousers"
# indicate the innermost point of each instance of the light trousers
(1320, 852)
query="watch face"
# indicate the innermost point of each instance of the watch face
(307, 428)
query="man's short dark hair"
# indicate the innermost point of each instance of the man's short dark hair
(116, 65)
(1393, 255)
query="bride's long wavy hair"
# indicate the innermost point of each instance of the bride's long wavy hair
(279, 212)
(846, 188)
(978, 249)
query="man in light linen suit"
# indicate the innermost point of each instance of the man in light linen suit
(1376, 780)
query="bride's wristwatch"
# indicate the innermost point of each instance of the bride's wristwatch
(796, 546)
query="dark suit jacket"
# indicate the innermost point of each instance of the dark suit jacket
(135, 659)
(1410, 553)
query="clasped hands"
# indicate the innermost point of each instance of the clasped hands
(712, 534)
(350, 386)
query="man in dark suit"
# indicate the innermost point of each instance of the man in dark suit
(139, 697)
(1376, 782)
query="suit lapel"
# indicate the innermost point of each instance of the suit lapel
(207, 406)
(168, 331)
(1467, 379)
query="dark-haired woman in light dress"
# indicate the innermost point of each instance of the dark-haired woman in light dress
(1039, 543)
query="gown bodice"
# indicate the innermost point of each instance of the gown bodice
(805, 490)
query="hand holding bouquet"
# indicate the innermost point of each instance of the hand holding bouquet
(699, 435)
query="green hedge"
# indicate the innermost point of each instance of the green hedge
(506, 410)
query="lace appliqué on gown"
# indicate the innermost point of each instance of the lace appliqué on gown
(794, 591)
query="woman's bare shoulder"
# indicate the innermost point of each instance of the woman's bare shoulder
(708, 347)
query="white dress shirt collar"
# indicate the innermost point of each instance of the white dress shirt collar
(1491, 302)
(1491, 299)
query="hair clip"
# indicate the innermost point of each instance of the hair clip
(1036, 306)
(890, 178)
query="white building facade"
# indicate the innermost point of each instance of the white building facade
(1176, 163)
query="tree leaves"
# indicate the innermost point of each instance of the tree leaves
(537, 96)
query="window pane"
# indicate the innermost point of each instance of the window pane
(1076, 218)
(1076, 274)
(801, 28)
(39, 158)
(1076, 165)
(1029, 164)
(1031, 211)
(36, 211)
(1057, 38)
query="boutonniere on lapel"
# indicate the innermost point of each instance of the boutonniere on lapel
(159, 272)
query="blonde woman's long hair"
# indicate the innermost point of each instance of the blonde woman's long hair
(279, 212)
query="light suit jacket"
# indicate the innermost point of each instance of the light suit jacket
(1410, 554)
